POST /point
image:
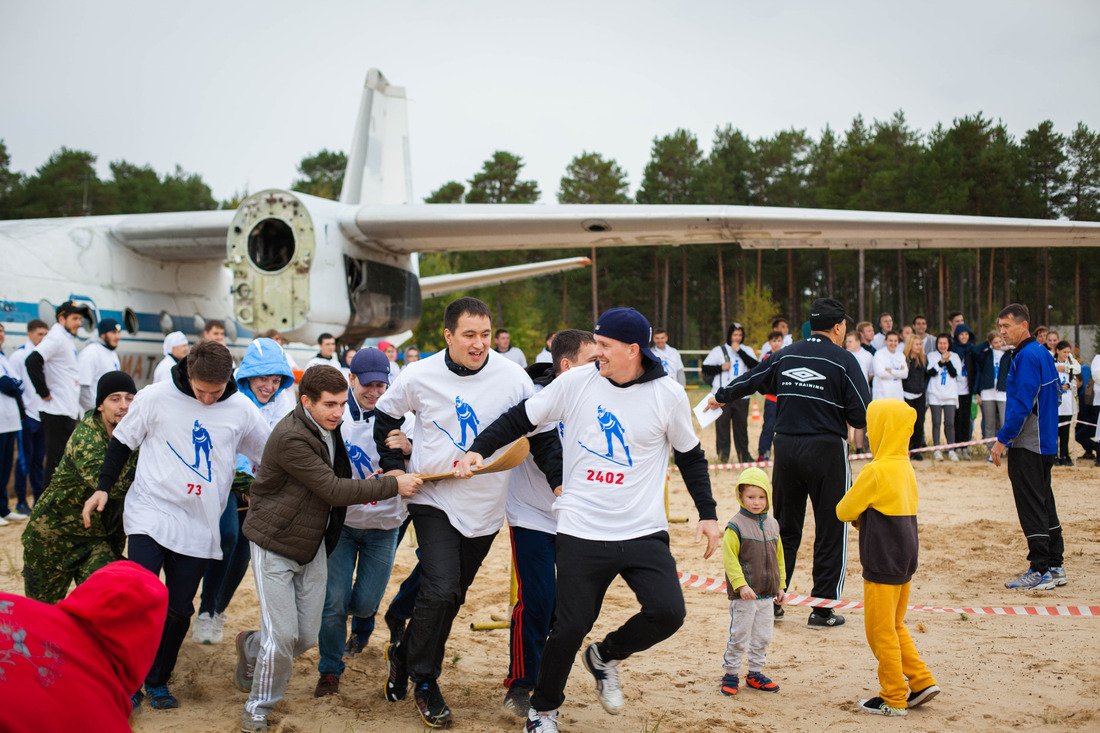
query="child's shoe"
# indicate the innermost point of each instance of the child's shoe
(877, 706)
(922, 696)
(729, 685)
(758, 681)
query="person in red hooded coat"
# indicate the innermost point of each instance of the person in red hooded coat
(72, 666)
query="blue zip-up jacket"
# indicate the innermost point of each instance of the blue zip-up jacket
(264, 357)
(1031, 412)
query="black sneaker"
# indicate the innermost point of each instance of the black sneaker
(818, 620)
(136, 700)
(779, 612)
(922, 696)
(397, 683)
(518, 701)
(429, 701)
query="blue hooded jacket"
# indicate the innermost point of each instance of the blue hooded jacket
(1031, 412)
(966, 355)
(264, 357)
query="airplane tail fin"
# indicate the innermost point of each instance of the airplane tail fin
(378, 169)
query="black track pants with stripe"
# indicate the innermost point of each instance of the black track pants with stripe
(814, 467)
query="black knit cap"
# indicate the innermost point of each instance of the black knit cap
(825, 313)
(112, 382)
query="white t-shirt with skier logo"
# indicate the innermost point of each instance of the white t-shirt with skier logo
(719, 355)
(358, 434)
(450, 412)
(942, 387)
(615, 451)
(185, 469)
(992, 393)
(670, 360)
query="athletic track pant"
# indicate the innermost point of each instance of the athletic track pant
(1029, 474)
(814, 467)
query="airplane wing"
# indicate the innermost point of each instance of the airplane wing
(458, 227)
(185, 235)
(444, 284)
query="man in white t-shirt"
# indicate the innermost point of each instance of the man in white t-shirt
(779, 323)
(32, 442)
(533, 530)
(11, 391)
(360, 566)
(175, 350)
(454, 393)
(190, 430)
(96, 359)
(326, 353)
(544, 356)
(503, 346)
(885, 326)
(722, 365)
(618, 422)
(53, 370)
(670, 358)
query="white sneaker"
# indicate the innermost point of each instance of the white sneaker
(4, 522)
(952, 455)
(200, 631)
(544, 722)
(608, 688)
(937, 456)
(217, 625)
(14, 516)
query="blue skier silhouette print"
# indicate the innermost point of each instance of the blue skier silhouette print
(200, 439)
(360, 461)
(612, 429)
(467, 420)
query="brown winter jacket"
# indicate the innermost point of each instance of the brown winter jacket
(299, 497)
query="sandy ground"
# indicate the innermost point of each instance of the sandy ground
(998, 673)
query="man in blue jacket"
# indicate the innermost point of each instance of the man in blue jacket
(1031, 426)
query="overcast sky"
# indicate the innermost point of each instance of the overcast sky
(240, 92)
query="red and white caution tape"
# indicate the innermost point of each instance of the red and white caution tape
(711, 584)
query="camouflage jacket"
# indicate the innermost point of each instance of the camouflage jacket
(56, 514)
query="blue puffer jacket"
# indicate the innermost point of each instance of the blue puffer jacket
(264, 357)
(1031, 412)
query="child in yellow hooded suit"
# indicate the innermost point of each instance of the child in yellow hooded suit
(882, 505)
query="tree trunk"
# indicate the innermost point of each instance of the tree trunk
(684, 297)
(565, 298)
(1077, 299)
(721, 289)
(943, 312)
(1046, 279)
(862, 286)
(657, 289)
(759, 267)
(1008, 291)
(989, 301)
(595, 293)
(664, 295)
(903, 291)
(790, 284)
(978, 288)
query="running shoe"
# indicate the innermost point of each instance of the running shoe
(606, 673)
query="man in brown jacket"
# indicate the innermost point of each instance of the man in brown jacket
(297, 500)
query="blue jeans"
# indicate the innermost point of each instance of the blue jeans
(373, 550)
(31, 464)
(223, 576)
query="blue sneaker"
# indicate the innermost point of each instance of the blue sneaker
(160, 698)
(1032, 580)
(729, 685)
(1059, 575)
(135, 700)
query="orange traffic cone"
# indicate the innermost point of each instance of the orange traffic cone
(755, 410)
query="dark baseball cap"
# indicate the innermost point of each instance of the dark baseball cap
(825, 313)
(370, 365)
(108, 325)
(629, 326)
(70, 307)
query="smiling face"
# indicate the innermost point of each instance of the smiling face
(660, 339)
(265, 387)
(920, 326)
(892, 343)
(619, 361)
(328, 409)
(470, 340)
(943, 344)
(367, 395)
(1052, 339)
